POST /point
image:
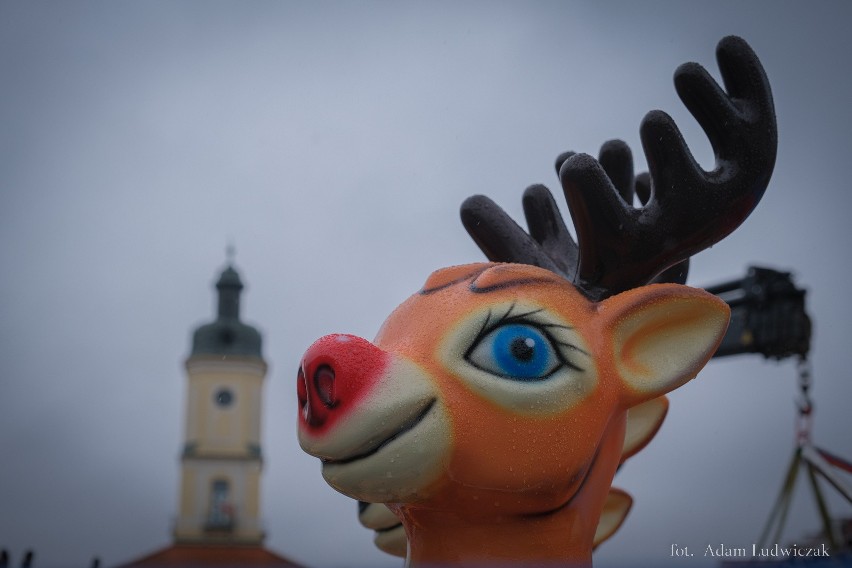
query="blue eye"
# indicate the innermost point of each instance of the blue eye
(516, 351)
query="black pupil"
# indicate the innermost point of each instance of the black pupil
(522, 348)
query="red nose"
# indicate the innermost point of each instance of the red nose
(336, 372)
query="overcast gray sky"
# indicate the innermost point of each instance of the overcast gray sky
(333, 143)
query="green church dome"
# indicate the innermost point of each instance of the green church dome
(227, 335)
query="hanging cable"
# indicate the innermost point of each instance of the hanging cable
(805, 405)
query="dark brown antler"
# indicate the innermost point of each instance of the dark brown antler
(686, 209)
(549, 244)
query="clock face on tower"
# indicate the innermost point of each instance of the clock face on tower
(224, 397)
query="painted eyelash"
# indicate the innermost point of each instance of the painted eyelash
(572, 347)
(524, 318)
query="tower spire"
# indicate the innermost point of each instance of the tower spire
(230, 252)
(229, 287)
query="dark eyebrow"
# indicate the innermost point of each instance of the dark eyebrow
(474, 276)
(508, 284)
(469, 276)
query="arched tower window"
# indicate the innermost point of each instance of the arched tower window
(220, 516)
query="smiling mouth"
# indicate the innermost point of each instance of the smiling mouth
(400, 431)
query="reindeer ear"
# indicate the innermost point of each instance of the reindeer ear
(643, 422)
(662, 335)
(615, 510)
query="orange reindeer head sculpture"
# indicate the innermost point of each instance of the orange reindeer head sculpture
(490, 409)
(489, 412)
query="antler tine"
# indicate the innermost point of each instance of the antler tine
(617, 161)
(689, 209)
(600, 216)
(499, 237)
(548, 229)
(561, 159)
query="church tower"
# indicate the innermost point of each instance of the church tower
(218, 521)
(221, 462)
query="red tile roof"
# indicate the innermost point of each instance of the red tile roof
(201, 556)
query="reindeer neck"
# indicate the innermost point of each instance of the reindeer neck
(561, 537)
(439, 539)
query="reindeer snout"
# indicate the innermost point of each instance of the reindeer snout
(336, 372)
